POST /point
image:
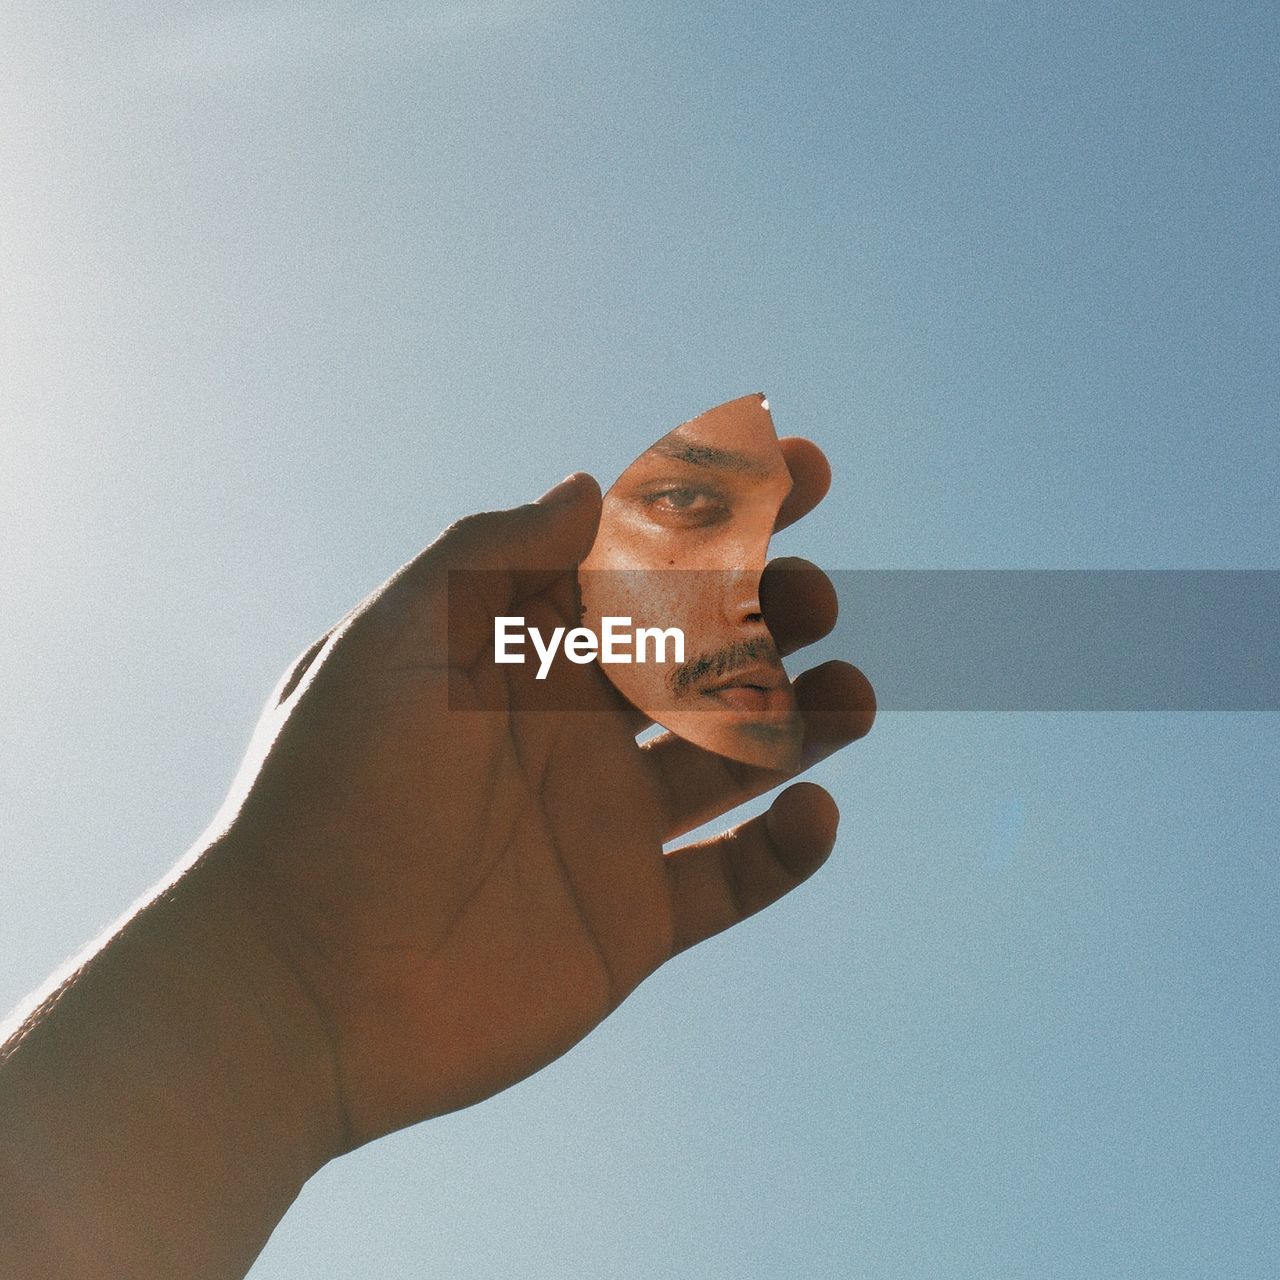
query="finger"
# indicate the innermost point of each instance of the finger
(810, 479)
(798, 601)
(443, 602)
(838, 706)
(718, 882)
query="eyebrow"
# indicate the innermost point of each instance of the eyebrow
(682, 449)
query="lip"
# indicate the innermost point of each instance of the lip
(758, 692)
(759, 675)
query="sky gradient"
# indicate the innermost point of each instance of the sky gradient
(286, 288)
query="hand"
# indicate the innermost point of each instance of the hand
(463, 894)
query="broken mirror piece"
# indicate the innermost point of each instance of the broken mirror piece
(682, 543)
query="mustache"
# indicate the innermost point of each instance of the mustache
(716, 663)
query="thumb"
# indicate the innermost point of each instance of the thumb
(446, 597)
(549, 535)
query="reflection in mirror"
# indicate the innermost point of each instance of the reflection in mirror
(682, 543)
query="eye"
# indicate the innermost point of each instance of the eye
(686, 506)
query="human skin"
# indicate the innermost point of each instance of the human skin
(682, 543)
(402, 908)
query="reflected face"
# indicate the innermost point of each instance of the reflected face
(682, 543)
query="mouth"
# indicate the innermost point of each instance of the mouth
(761, 692)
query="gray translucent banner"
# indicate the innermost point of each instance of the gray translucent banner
(1061, 639)
(941, 640)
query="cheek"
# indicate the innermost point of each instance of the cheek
(661, 551)
(688, 602)
(741, 543)
(629, 540)
(663, 598)
(655, 599)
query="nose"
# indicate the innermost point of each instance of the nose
(742, 599)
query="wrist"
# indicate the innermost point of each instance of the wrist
(216, 934)
(180, 1077)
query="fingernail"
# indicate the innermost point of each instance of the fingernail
(560, 494)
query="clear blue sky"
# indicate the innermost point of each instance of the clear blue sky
(285, 288)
